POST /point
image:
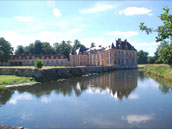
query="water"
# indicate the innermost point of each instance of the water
(120, 99)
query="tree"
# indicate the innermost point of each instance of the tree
(151, 60)
(63, 48)
(19, 50)
(47, 48)
(164, 35)
(164, 31)
(38, 47)
(165, 52)
(77, 44)
(142, 57)
(38, 63)
(5, 50)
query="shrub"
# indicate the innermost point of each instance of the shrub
(39, 63)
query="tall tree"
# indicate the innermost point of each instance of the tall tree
(142, 57)
(38, 47)
(164, 34)
(5, 50)
(77, 44)
(47, 48)
(19, 50)
(63, 48)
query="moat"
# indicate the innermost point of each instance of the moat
(119, 99)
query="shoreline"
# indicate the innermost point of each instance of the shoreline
(163, 71)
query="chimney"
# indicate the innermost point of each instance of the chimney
(126, 44)
(119, 40)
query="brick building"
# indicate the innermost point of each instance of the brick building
(123, 55)
(28, 60)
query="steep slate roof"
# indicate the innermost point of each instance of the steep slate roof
(125, 45)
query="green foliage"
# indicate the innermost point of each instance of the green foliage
(47, 48)
(63, 48)
(77, 44)
(164, 51)
(19, 50)
(38, 63)
(145, 28)
(164, 71)
(11, 80)
(5, 50)
(142, 57)
(39, 47)
(151, 60)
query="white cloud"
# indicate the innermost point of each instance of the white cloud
(56, 12)
(134, 119)
(51, 3)
(122, 34)
(133, 96)
(135, 11)
(100, 7)
(20, 97)
(74, 31)
(25, 39)
(98, 41)
(45, 100)
(24, 19)
(63, 24)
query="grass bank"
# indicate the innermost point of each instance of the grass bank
(160, 70)
(12, 80)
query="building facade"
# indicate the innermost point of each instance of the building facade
(28, 60)
(123, 55)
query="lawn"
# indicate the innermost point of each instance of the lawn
(11, 80)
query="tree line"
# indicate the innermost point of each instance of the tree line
(38, 47)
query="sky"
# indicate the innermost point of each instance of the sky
(101, 22)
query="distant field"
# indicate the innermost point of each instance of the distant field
(141, 65)
(44, 67)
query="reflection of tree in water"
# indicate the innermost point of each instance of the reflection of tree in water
(121, 83)
(141, 75)
(66, 87)
(5, 95)
(165, 86)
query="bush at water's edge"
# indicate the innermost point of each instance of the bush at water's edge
(163, 71)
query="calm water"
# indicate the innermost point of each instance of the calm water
(120, 99)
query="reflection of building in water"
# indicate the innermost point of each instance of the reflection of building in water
(118, 83)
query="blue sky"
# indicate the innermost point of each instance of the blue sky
(102, 22)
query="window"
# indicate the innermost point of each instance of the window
(122, 61)
(118, 61)
(127, 61)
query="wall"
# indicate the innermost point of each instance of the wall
(43, 75)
